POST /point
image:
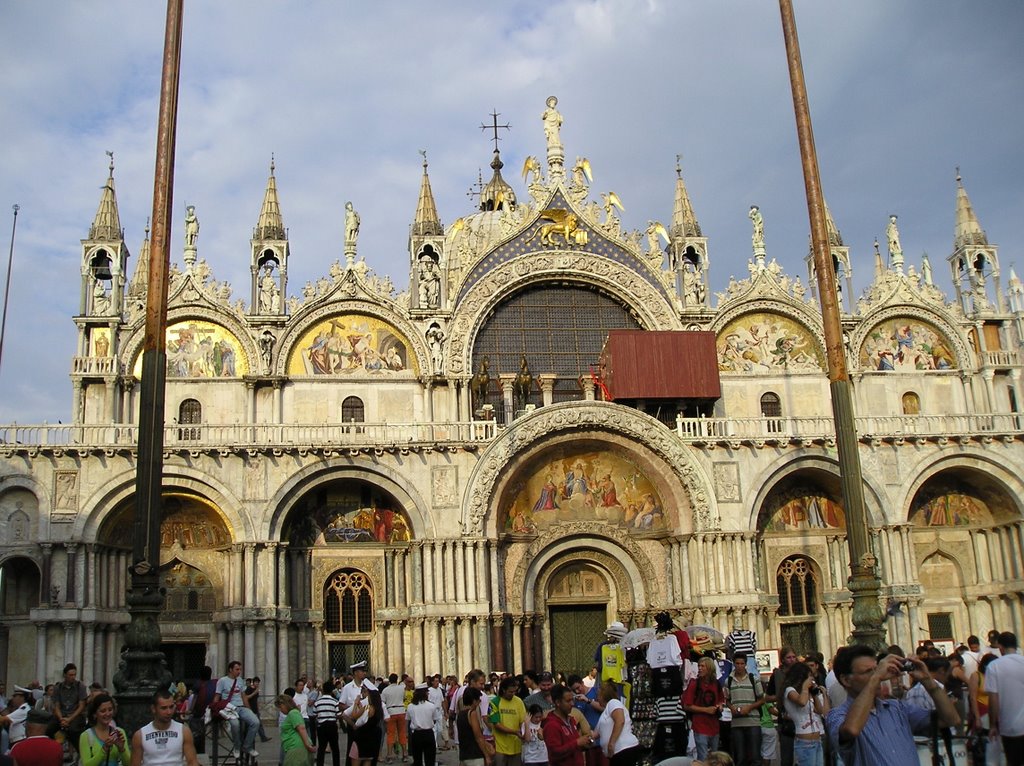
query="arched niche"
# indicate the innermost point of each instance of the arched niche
(353, 345)
(19, 586)
(766, 342)
(19, 516)
(197, 348)
(346, 511)
(188, 522)
(961, 497)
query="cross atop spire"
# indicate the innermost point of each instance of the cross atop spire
(494, 126)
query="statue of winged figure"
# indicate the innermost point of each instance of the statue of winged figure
(611, 201)
(581, 174)
(655, 229)
(531, 165)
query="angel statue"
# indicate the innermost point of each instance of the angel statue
(611, 201)
(581, 174)
(654, 230)
(531, 165)
(758, 221)
(351, 224)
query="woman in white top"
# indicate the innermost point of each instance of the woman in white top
(615, 729)
(806, 705)
(421, 716)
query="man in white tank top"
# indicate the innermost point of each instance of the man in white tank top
(164, 741)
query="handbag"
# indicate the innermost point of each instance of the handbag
(218, 708)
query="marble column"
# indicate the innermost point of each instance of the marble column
(249, 637)
(41, 651)
(417, 573)
(507, 381)
(389, 577)
(459, 555)
(318, 648)
(498, 643)
(547, 387)
(71, 580)
(451, 647)
(401, 579)
(270, 679)
(70, 645)
(284, 669)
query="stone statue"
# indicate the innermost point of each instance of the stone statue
(100, 299)
(926, 269)
(581, 174)
(336, 271)
(655, 229)
(892, 233)
(351, 225)
(269, 293)
(267, 349)
(758, 220)
(435, 340)
(429, 283)
(798, 289)
(552, 124)
(191, 227)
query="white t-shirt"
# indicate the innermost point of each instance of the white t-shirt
(534, 749)
(422, 716)
(302, 703)
(163, 747)
(349, 694)
(605, 724)
(224, 686)
(806, 720)
(1005, 677)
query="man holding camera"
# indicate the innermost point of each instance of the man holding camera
(868, 730)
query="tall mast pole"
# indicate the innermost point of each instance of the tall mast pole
(142, 670)
(863, 581)
(7, 284)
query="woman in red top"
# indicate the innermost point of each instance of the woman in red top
(564, 741)
(704, 700)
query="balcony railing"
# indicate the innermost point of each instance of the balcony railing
(259, 435)
(95, 365)
(388, 436)
(1002, 359)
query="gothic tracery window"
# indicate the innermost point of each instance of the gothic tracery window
(348, 603)
(798, 587)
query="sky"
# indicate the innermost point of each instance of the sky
(343, 95)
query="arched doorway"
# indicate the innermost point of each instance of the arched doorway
(578, 596)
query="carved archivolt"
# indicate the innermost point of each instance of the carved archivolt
(530, 430)
(608, 565)
(653, 310)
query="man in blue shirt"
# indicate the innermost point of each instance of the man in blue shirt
(868, 730)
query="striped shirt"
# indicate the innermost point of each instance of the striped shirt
(325, 709)
(742, 641)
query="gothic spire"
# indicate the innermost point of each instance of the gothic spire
(968, 230)
(684, 221)
(427, 221)
(140, 278)
(497, 194)
(835, 238)
(270, 224)
(107, 223)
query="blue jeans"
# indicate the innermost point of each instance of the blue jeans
(705, 744)
(808, 752)
(243, 731)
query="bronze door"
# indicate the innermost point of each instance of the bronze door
(575, 633)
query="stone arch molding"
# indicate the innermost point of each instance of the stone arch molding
(649, 303)
(971, 458)
(530, 430)
(628, 567)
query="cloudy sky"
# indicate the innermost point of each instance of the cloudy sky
(344, 94)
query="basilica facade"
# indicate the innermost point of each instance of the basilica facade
(557, 425)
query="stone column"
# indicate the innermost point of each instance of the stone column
(459, 571)
(483, 643)
(428, 401)
(284, 670)
(270, 678)
(41, 651)
(508, 381)
(539, 644)
(417, 573)
(249, 568)
(429, 581)
(88, 664)
(401, 562)
(281, 599)
(70, 645)
(524, 625)
(318, 647)
(249, 638)
(250, 395)
(432, 640)
(389, 577)
(498, 643)
(482, 593)
(277, 416)
(451, 648)
(416, 646)
(71, 581)
(92, 576)
(492, 563)
(547, 388)
(45, 575)
(684, 570)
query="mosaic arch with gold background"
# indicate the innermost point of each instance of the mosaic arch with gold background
(767, 342)
(348, 511)
(904, 344)
(187, 520)
(199, 349)
(352, 344)
(801, 508)
(598, 485)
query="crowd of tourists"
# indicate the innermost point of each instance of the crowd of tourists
(670, 700)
